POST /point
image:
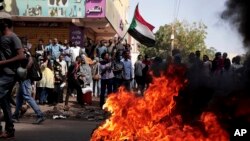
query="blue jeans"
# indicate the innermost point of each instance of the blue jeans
(6, 85)
(96, 87)
(24, 93)
(43, 95)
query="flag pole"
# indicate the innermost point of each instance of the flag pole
(125, 34)
(129, 24)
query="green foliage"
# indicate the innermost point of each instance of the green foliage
(210, 52)
(188, 38)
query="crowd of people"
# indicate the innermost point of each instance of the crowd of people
(102, 67)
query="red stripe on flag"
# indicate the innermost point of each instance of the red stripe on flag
(140, 19)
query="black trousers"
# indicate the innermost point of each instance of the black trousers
(117, 83)
(5, 105)
(105, 84)
(58, 92)
(126, 84)
(74, 84)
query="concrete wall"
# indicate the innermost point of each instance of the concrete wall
(123, 9)
(116, 13)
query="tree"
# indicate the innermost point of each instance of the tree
(210, 52)
(188, 38)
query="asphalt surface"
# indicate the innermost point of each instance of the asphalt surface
(54, 130)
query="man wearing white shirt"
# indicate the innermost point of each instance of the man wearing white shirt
(63, 65)
(74, 52)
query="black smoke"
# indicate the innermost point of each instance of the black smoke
(238, 13)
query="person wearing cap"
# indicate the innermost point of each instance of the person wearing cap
(11, 53)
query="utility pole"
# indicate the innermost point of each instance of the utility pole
(172, 39)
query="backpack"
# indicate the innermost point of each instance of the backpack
(34, 72)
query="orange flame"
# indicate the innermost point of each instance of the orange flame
(149, 118)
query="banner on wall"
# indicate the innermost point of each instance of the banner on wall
(95, 8)
(76, 35)
(46, 8)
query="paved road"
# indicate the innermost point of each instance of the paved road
(54, 130)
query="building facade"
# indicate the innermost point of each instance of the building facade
(73, 20)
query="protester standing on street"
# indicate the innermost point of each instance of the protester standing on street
(127, 71)
(96, 77)
(55, 49)
(145, 72)
(101, 49)
(139, 66)
(46, 84)
(66, 53)
(217, 64)
(207, 65)
(226, 62)
(72, 81)
(40, 48)
(85, 79)
(119, 48)
(117, 69)
(57, 95)
(110, 47)
(48, 47)
(63, 64)
(11, 52)
(107, 76)
(236, 63)
(74, 52)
